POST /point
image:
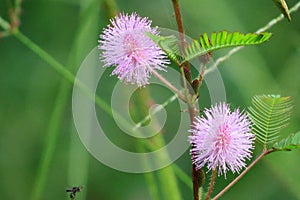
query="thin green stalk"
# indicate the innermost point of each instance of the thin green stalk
(55, 119)
(183, 176)
(15, 14)
(69, 76)
(50, 142)
(65, 73)
(6, 27)
(54, 125)
(4, 24)
(177, 170)
(150, 179)
(78, 171)
(78, 165)
(61, 70)
(45, 56)
(166, 176)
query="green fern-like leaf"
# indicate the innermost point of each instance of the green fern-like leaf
(289, 143)
(221, 40)
(169, 44)
(269, 114)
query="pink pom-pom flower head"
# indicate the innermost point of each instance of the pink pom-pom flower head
(126, 46)
(221, 139)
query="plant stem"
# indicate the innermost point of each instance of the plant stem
(79, 171)
(61, 70)
(176, 8)
(167, 182)
(192, 114)
(66, 74)
(165, 81)
(149, 176)
(195, 180)
(45, 56)
(182, 176)
(4, 24)
(71, 78)
(264, 152)
(50, 143)
(56, 116)
(15, 15)
(212, 183)
(166, 175)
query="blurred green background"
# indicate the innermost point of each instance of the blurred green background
(35, 103)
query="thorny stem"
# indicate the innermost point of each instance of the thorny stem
(264, 152)
(186, 72)
(176, 8)
(211, 184)
(195, 179)
(192, 113)
(179, 21)
(269, 25)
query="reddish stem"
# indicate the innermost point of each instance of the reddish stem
(264, 152)
(178, 17)
(212, 184)
(195, 183)
(187, 73)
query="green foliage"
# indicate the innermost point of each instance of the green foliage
(206, 44)
(281, 4)
(169, 44)
(289, 143)
(223, 39)
(269, 114)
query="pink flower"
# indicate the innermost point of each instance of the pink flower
(221, 139)
(125, 45)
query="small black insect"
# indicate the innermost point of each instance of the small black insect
(73, 191)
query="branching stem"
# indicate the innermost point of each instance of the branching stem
(186, 73)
